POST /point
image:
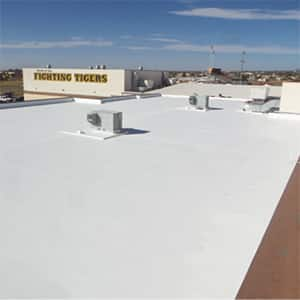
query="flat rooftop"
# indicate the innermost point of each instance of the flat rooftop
(177, 208)
(213, 89)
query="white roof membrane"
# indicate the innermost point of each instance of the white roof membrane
(175, 209)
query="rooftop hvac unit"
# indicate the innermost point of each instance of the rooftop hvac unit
(262, 106)
(48, 66)
(100, 67)
(105, 120)
(259, 93)
(199, 102)
(149, 84)
(140, 68)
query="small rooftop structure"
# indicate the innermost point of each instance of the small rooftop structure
(226, 90)
(290, 100)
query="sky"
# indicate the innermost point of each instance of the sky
(157, 34)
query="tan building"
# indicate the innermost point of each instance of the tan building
(90, 83)
(290, 98)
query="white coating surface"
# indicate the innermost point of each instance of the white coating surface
(175, 209)
(212, 89)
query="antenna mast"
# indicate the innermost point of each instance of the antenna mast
(212, 54)
(242, 61)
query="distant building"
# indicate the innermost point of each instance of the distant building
(214, 71)
(99, 82)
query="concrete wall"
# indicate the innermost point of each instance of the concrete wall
(114, 84)
(129, 80)
(290, 99)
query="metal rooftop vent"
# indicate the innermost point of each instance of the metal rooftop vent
(140, 68)
(94, 119)
(262, 106)
(199, 102)
(261, 101)
(97, 67)
(103, 67)
(48, 66)
(110, 121)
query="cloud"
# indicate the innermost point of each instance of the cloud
(126, 37)
(187, 47)
(164, 40)
(233, 49)
(76, 38)
(154, 37)
(158, 34)
(241, 14)
(139, 48)
(73, 43)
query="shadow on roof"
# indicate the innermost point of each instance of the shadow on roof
(131, 131)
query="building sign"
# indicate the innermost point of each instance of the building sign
(77, 77)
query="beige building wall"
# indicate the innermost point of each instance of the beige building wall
(49, 83)
(290, 97)
(113, 85)
(33, 96)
